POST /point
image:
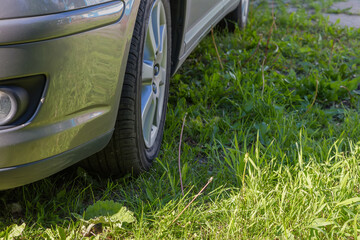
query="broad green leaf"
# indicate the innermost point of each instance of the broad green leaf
(107, 212)
(16, 231)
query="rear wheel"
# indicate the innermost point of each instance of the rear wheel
(238, 16)
(141, 117)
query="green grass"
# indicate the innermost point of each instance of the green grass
(283, 167)
(317, 5)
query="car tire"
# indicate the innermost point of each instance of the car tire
(141, 116)
(238, 17)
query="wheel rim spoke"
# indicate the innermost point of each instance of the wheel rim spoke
(162, 77)
(148, 115)
(160, 104)
(163, 45)
(150, 43)
(155, 15)
(154, 74)
(147, 72)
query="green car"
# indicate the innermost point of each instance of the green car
(89, 80)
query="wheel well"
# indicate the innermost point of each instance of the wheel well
(178, 8)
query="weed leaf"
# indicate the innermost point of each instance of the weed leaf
(107, 212)
(15, 231)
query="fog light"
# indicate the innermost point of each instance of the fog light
(13, 102)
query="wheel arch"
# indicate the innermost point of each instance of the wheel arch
(178, 15)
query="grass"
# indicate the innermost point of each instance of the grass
(317, 6)
(281, 139)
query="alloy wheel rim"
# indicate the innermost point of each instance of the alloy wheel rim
(244, 9)
(154, 74)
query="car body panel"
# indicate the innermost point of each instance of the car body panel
(38, 28)
(27, 8)
(198, 9)
(11, 177)
(196, 31)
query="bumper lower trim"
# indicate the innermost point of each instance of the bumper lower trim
(23, 174)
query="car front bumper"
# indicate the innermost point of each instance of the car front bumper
(83, 54)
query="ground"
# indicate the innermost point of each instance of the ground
(349, 13)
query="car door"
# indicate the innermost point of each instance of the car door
(200, 15)
(230, 4)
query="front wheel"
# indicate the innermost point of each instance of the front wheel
(141, 117)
